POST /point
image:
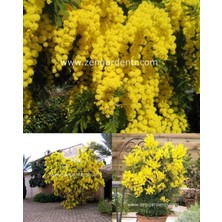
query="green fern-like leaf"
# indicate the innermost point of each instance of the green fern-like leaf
(81, 114)
(119, 92)
(57, 10)
(116, 122)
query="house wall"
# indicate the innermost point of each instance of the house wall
(190, 140)
(32, 191)
(99, 194)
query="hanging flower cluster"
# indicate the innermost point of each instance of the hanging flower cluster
(107, 35)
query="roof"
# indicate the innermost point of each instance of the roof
(68, 152)
(71, 151)
(107, 168)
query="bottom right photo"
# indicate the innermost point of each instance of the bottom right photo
(156, 177)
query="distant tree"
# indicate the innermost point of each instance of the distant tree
(26, 164)
(38, 169)
(103, 149)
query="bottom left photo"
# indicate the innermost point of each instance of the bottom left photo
(70, 182)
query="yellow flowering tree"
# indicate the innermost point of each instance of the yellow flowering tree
(74, 177)
(154, 175)
(116, 66)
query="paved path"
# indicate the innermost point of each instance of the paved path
(169, 219)
(55, 212)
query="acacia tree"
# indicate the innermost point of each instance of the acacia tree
(73, 177)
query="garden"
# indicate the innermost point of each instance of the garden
(78, 185)
(156, 179)
(151, 178)
(128, 66)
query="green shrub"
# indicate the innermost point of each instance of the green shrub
(105, 206)
(40, 197)
(47, 198)
(191, 215)
(55, 198)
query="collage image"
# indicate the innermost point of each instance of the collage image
(111, 94)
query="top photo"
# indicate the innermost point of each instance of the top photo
(111, 66)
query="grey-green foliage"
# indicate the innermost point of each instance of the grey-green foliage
(105, 206)
(119, 202)
(191, 215)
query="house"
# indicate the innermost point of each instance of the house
(103, 192)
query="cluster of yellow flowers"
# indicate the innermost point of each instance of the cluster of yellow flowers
(100, 31)
(31, 47)
(151, 35)
(63, 39)
(154, 170)
(175, 11)
(185, 15)
(191, 30)
(72, 177)
(173, 121)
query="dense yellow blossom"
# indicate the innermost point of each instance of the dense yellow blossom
(100, 31)
(150, 141)
(63, 39)
(31, 47)
(191, 30)
(71, 177)
(155, 170)
(175, 10)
